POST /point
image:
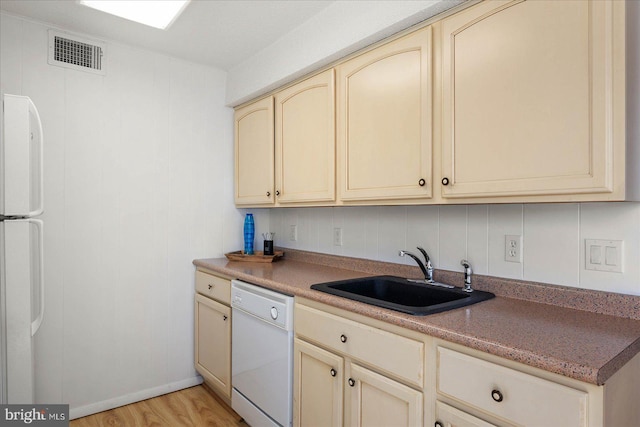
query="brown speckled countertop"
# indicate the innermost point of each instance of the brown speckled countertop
(586, 335)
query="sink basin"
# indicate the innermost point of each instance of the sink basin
(397, 293)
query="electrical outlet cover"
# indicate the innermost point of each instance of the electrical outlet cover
(513, 248)
(337, 236)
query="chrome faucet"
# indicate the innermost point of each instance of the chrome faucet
(427, 263)
(417, 260)
(427, 268)
(467, 275)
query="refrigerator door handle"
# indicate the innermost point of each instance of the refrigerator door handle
(35, 325)
(40, 208)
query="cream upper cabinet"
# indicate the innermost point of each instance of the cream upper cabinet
(384, 121)
(504, 101)
(533, 99)
(254, 147)
(305, 141)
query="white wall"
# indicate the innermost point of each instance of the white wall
(138, 183)
(552, 234)
(338, 30)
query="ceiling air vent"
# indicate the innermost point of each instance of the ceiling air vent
(76, 52)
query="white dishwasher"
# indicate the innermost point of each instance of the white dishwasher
(262, 355)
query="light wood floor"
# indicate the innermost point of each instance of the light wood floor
(191, 407)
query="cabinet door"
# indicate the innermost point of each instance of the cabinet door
(305, 141)
(384, 121)
(254, 173)
(448, 416)
(317, 387)
(399, 356)
(213, 343)
(528, 105)
(375, 400)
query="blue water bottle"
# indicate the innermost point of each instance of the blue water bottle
(249, 234)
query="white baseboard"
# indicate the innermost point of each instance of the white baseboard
(105, 405)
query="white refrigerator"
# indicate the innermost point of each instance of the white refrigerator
(21, 246)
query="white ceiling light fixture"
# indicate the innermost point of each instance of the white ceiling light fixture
(158, 14)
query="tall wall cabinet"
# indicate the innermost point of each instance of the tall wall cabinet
(254, 150)
(533, 98)
(305, 141)
(504, 101)
(384, 121)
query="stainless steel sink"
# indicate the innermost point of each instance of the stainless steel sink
(402, 295)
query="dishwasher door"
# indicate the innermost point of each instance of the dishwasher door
(262, 363)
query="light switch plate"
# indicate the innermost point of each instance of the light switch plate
(604, 255)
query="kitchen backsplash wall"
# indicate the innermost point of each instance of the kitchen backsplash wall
(553, 237)
(138, 183)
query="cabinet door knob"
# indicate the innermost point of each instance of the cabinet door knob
(497, 395)
(343, 338)
(333, 372)
(268, 193)
(438, 424)
(224, 318)
(445, 181)
(352, 382)
(422, 182)
(277, 192)
(210, 287)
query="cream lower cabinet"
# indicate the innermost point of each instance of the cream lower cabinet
(479, 390)
(213, 332)
(350, 373)
(355, 371)
(517, 397)
(533, 100)
(448, 416)
(384, 121)
(325, 384)
(373, 399)
(318, 386)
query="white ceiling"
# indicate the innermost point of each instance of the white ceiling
(219, 33)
